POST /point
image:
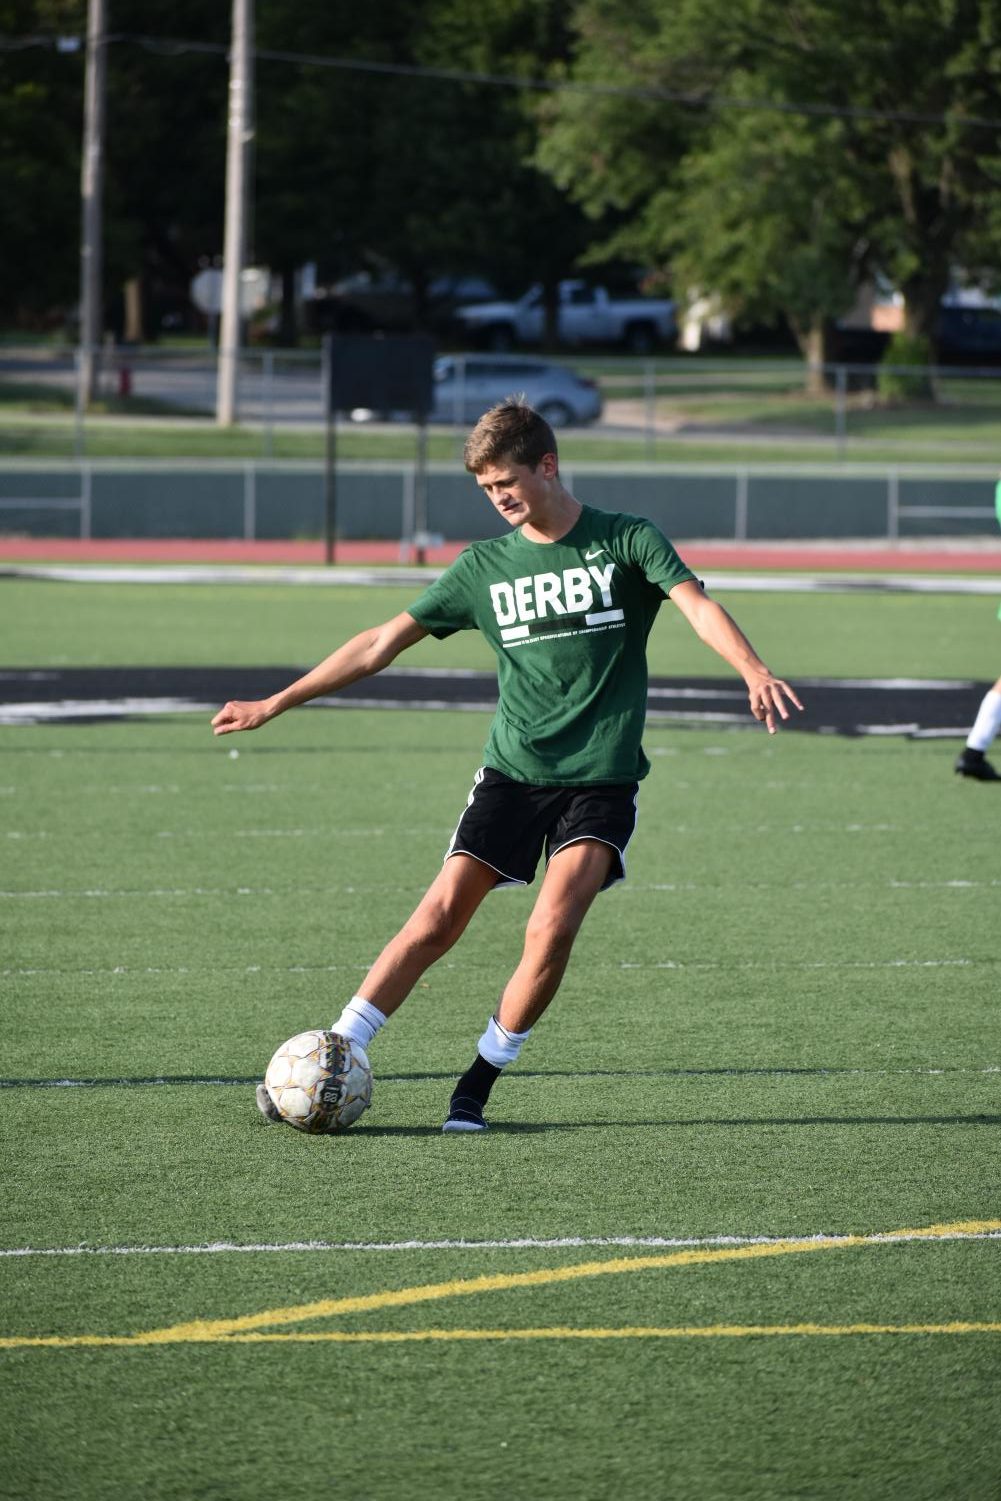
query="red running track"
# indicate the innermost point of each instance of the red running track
(803, 557)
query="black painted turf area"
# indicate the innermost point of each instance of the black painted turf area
(831, 706)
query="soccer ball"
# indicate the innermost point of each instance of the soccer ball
(319, 1082)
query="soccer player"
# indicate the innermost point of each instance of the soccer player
(972, 760)
(566, 599)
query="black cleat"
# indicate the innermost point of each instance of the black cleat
(464, 1114)
(973, 763)
(266, 1105)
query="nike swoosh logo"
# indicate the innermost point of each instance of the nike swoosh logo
(597, 553)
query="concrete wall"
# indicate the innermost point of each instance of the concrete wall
(274, 501)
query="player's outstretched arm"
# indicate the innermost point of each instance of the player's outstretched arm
(712, 624)
(365, 654)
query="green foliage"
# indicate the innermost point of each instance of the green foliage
(750, 173)
(41, 104)
(716, 145)
(163, 160)
(762, 215)
(352, 166)
(903, 372)
(426, 174)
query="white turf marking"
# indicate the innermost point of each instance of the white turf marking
(101, 708)
(847, 581)
(201, 969)
(771, 965)
(66, 893)
(526, 1243)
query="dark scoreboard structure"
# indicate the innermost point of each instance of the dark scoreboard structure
(383, 372)
(387, 374)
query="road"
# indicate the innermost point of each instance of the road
(284, 389)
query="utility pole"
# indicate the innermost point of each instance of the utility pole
(239, 134)
(91, 192)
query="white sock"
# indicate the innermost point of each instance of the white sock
(987, 722)
(359, 1021)
(499, 1046)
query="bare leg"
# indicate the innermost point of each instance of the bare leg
(973, 760)
(440, 919)
(573, 879)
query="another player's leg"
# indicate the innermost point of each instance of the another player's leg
(972, 761)
(574, 876)
(439, 920)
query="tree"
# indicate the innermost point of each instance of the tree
(766, 217)
(793, 143)
(41, 107)
(165, 155)
(165, 131)
(428, 174)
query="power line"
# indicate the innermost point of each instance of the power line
(178, 47)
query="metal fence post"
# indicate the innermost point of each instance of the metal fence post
(79, 406)
(249, 501)
(269, 410)
(893, 505)
(840, 410)
(408, 517)
(86, 509)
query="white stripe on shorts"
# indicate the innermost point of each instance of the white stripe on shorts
(505, 879)
(595, 840)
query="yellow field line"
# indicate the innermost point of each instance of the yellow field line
(558, 1331)
(704, 1331)
(208, 1331)
(691, 1331)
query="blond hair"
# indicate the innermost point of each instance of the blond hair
(511, 430)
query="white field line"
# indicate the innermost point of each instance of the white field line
(58, 711)
(770, 966)
(55, 893)
(525, 1243)
(334, 832)
(845, 581)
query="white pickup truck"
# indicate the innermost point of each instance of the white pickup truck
(587, 315)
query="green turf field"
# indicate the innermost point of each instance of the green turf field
(48, 624)
(783, 1026)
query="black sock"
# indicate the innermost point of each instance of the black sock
(476, 1083)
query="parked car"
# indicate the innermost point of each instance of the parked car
(585, 315)
(466, 386)
(969, 335)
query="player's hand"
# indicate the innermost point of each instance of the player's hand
(768, 698)
(241, 715)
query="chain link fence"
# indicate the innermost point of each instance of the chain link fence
(676, 398)
(715, 446)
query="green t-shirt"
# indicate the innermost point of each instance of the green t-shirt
(569, 621)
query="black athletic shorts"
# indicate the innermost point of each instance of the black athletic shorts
(507, 824)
